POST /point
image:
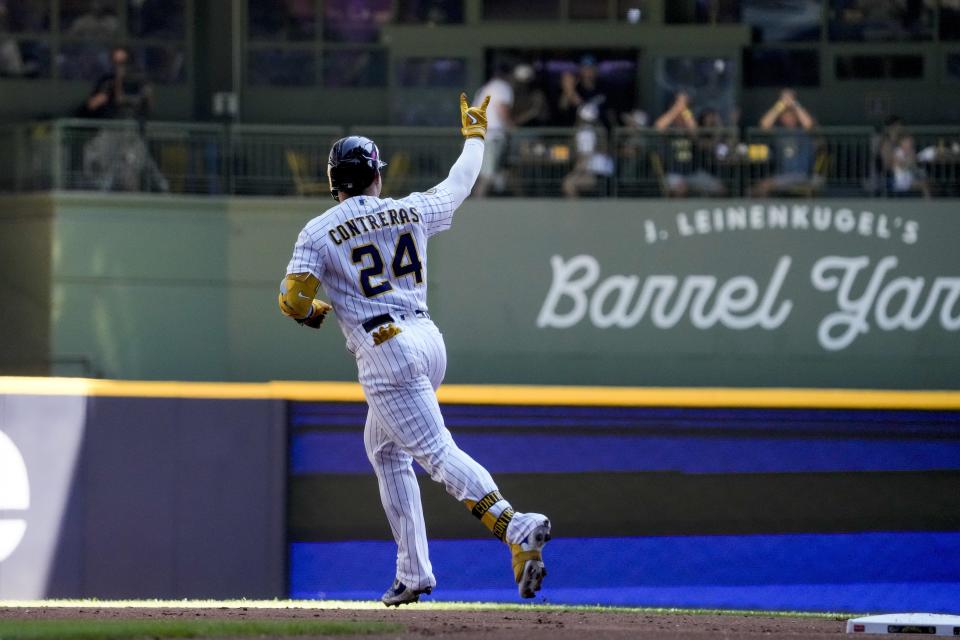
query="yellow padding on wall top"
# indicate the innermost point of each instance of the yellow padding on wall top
(500, 394)
(324, 391)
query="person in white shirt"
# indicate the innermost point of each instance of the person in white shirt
(500, 93)
(592, 161)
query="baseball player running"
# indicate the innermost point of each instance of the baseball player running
(370, 255)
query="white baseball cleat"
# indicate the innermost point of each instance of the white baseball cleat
(528, 568)
(399, 594)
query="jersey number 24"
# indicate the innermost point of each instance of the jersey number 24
(406, 261)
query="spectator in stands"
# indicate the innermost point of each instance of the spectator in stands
(716, 137)
(634, 119)
(898, 157)
(117, 158)
(592, 161)
(498, 124)
(682, 154)
(122, 93)
(580, 89)
(679, 115)
(632, 138)
(530, 107)
(793, 146)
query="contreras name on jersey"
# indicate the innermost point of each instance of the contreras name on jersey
(373, 221)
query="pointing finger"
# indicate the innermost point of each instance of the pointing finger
(486, 101)
(463, 102)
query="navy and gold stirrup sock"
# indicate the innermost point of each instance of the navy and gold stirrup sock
(494, 512)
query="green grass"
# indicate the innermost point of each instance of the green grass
(120, 629)
(422, 606)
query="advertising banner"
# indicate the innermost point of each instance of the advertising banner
(133, 497)
(791, 293)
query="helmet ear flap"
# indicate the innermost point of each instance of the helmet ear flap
(333, 191)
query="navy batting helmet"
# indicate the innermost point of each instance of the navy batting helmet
(353, 164)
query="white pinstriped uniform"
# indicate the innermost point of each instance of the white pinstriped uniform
(400, 376)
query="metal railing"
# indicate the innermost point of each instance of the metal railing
(26, 162)
(124, 155)
(938, 159)
(653, 163)
(280, 160)
(536, 162)
(834, 160)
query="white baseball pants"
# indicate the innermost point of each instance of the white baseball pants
(400, 378)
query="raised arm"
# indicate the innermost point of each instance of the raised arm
(770, 117)
(680, 110)
(787, 102)
(806, 120)
(463, 174)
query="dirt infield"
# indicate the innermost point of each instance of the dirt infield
(425, 621)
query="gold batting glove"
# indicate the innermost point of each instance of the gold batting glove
(318, 313)
(474, 119)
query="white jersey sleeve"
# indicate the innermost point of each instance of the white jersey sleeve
(308, 254)
(438, 204)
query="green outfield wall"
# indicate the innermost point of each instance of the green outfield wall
(812, 293)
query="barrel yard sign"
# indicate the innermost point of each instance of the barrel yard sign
(773, 293)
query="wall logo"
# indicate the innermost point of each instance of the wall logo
(868, 290)
(14, 496)
(866, 294)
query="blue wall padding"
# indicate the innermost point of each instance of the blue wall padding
(342, 452)
(863, 572)
(878, 571)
